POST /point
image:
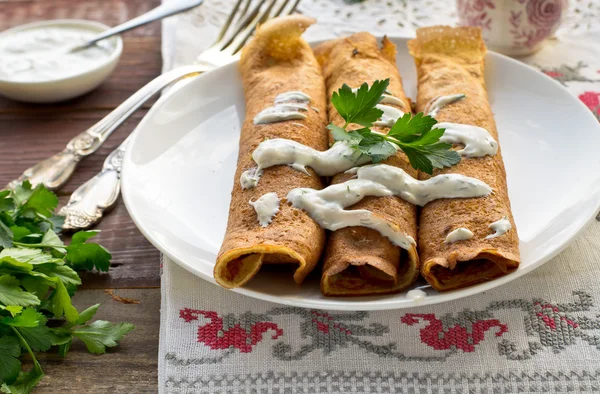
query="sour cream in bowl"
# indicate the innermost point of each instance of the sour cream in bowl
(37, 66)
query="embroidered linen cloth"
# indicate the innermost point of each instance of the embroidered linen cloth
(540, 333)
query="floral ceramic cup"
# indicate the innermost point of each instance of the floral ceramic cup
(513, 27)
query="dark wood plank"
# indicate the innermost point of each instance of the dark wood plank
(109, 12)
(29, 139)
(129, 368)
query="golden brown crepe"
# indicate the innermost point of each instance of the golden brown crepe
(451, 61)
(277, 60)
(359, 260)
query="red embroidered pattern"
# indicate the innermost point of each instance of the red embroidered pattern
(215, 336)
(592, 101)
(547, 326)
(458, 336)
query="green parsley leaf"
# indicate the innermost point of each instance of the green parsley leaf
(101, 334)
(35, 286)
(39, 338)
(63, 348)
(378, 151)
(6, 236)
(66, 274)
(19, 232)
(21, 193)
(26, 381)
(87, 315)
(359, 107)
(80, 237)
(42, 201)
(6, 201)
(426, 158)
(10, 366)
(340, 134)
(12, 294)
(50, 239)
(408, 126)
(8, 265)
(28, 318)
(61, 303)
(12, 309)
(87, 256)
(30, 256)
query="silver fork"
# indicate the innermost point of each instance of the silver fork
(88, 203)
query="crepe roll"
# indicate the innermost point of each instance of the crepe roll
(359, 260)
(463, 241)
(285, 98)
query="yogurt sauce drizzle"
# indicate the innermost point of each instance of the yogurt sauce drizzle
(460, 234)
(327, 206)
(499, 227)
(266, 207)
(477, 141)
(281, 151)
(287, 106)
(440, 102)
(416, 295)
(389, 117)
(250, 177)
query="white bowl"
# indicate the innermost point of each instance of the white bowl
(66, 87)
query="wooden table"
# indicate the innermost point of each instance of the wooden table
(29, 133)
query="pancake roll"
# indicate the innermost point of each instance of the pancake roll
(359, 260)
(471, 240)
(285, 98)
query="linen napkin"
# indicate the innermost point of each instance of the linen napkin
(539, 333)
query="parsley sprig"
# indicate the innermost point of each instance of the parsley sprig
(37, 279)
(414, 135)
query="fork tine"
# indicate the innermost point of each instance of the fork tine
(283, 11)
(241, 25)
(228, 21)
(280, 9)
(292, 9)
(245, 9)
(243, 37)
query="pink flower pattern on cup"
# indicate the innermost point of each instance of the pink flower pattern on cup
(515, 27)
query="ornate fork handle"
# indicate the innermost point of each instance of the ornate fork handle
(100, 193)
(54, 171)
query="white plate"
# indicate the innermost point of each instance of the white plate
(178, 174)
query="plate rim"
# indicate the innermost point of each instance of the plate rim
(341, 303)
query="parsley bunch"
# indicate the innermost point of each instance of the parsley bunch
(414, 135)
(37, 279)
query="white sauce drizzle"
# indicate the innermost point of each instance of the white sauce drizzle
(250, 177)
(292, 96)
(327, 206)
(389, 99)
(287, 106)
(460, 234)
(266, 207)
(280, 151)
(499, 227)
(477, 141)
(389, 117)
(440, 102)
(416, 295)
